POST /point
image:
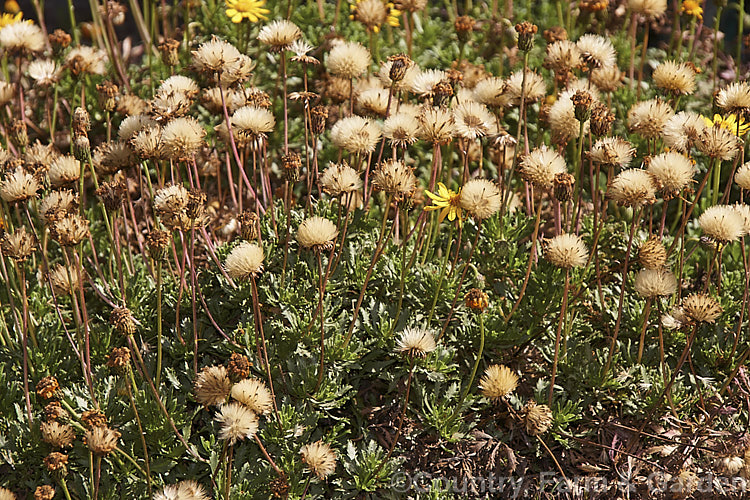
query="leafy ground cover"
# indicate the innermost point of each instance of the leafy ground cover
(370, 250)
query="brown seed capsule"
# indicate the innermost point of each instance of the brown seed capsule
(54, 411)
(59, 40)
(81, 121)
(196, 204)
(123, 321)
(157, 242)
(169, 52)
(563, 187)
(601, 120)
(238, 367)
(48, 388)
(555, 34)
(94, 418)
(652, 254)
(441, 93)
(108, 95)
(464, 25)
(248, 225)
(318, 117)
(537, 418)
(399, 64)
(112, 194)
(45, 492)
(291, 164)
(82, 148)
(119, 360)
(18, 135)
(280, 487)
(477, 300)
(57, 464)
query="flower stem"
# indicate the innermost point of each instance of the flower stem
(466, 390)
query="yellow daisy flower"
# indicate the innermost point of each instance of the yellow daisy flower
(447, 201)
(692, 8)
(393, 16)
(729, 123)
(6, 18)
(246, 9)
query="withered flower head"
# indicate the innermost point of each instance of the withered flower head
(718, 142)
(238, 367)
(119, 360)
(339, 179)
(477, 300)
(212, 386)
(244, 261)
(533, 89)
(612, 151)
(541, 166)
(415, 343)
(722, 224)
(651, 283)
(632, 188)
(481, 198)
(112, 194)
(18, 245)
(318, 117)
(19, 185)
(169, 50)
(675, 78)
(372, 13)
(64, 170)
(84, 59)
(59, 39)
(236, 423)
(44, 72)
(652, 254)
(48, 388)
(701, 308)
(607, 78)
(537, 418)
(436, 125)
(649, 9)
(57, 435)
(157, 242)
(279, 34)
(22, 38)
(254, 394)
(317, 234)
(70, 230)
(319, 458)
(396, 179)
(215, 56)
(562, 187)
(348, 60)
(472, 120)
(122, 320)
(56, 463)
(184, 490)
(566, 250)
(54, 411)
(63, 280)
(682, 130)
(648, 118)
(182, 137)
(101, 440)
(742, 176)
(94, 418)
(735, 98)
(248, 225)
(401, 129)
(555, 34)
(498, 381)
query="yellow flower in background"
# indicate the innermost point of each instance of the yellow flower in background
(12, 7)
(447, 201)
(393, 15)
(729, 123)
(692, 8)
(6, 18)
(246, 9)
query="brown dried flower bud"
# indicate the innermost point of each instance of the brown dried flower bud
(563, 186)
(291, 164)
(318, 117)
(18, 245)
(652, 254)
(526, 32)
(555, 34)
(57, 464)
(122, 320)
(48, 388)
(81, 121)
(112, 194)
(59, 40)
(601, 120)
(248, 225)
(45, 492)
(119, 360)
(54, 411)
(157, 242)
(537, 418)
(582, 101)
(196, 204)
(441, 93)
(94, 418)
(464, 25)
(18, 135)
(399, 64)
(169, 52)
(238, 367)
(477, 300)
(280, 487)
(108, 95)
